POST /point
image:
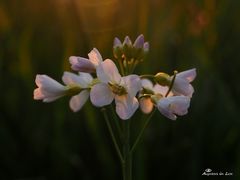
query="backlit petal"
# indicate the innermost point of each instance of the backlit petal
(158, 89)
(77, 101)
(126, 106)
(182, 87)
(172, 106)
(95, 57)
(132, 83)
(83, 79)
(108, 72)
(147, 84)
(101, 95)
(48, 89)
(81, 64)
(189, 75)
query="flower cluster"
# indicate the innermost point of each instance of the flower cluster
(105, 81)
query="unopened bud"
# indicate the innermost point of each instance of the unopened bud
(139, 42)
(127, 41)
(117, 48)
(146, 47)
(117, 43)
(162, 79)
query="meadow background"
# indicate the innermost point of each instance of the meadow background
(47, 141)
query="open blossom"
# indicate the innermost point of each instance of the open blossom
(86, 65)
(113, 86)
(83, 81)
(49, 89)
(172, 106)
(169, 106)
(146, 104)
(182, 82)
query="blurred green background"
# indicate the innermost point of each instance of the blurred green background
(47, 141)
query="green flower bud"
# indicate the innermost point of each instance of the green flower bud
(162, 79)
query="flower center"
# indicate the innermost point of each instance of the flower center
(117, 89)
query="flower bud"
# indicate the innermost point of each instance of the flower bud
(117, 43)
(162, 79)
(146, 47)
(139, 42)
(127, 41)
(117, 48)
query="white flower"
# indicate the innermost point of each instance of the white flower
(172, 106)
(182, 82)
(113, 86)
(83, 80)
(49, 90)
(86, 65)
(146, 104)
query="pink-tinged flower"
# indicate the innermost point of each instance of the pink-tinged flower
(146, 104)
(113, 86)
(86, 65)
(172, 106)
(48, 89)
(82, 81)
(182, 82)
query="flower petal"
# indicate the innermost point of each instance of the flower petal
(182, 87)
(179, 104)
(49, 89)
(101, 95)
(158, 89)
(132, 83)
(81, 64)
(83, 79)
(147, 84)
(77, 101)
(95, 57)
(126, 106)
(189, 75)
(172, 106)
(146, 105)
(108, 72)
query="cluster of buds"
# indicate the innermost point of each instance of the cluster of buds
(101, 81)
(129, 55)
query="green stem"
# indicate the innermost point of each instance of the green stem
(171, 85)
(142, 131)
(116, 121)
(112, 135)
(121, 66)
(127, 163)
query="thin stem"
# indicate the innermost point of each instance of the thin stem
(127, 165)
(112, 135)
(172, 82)
(121, 66)
(116, 121)
(142, 131)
